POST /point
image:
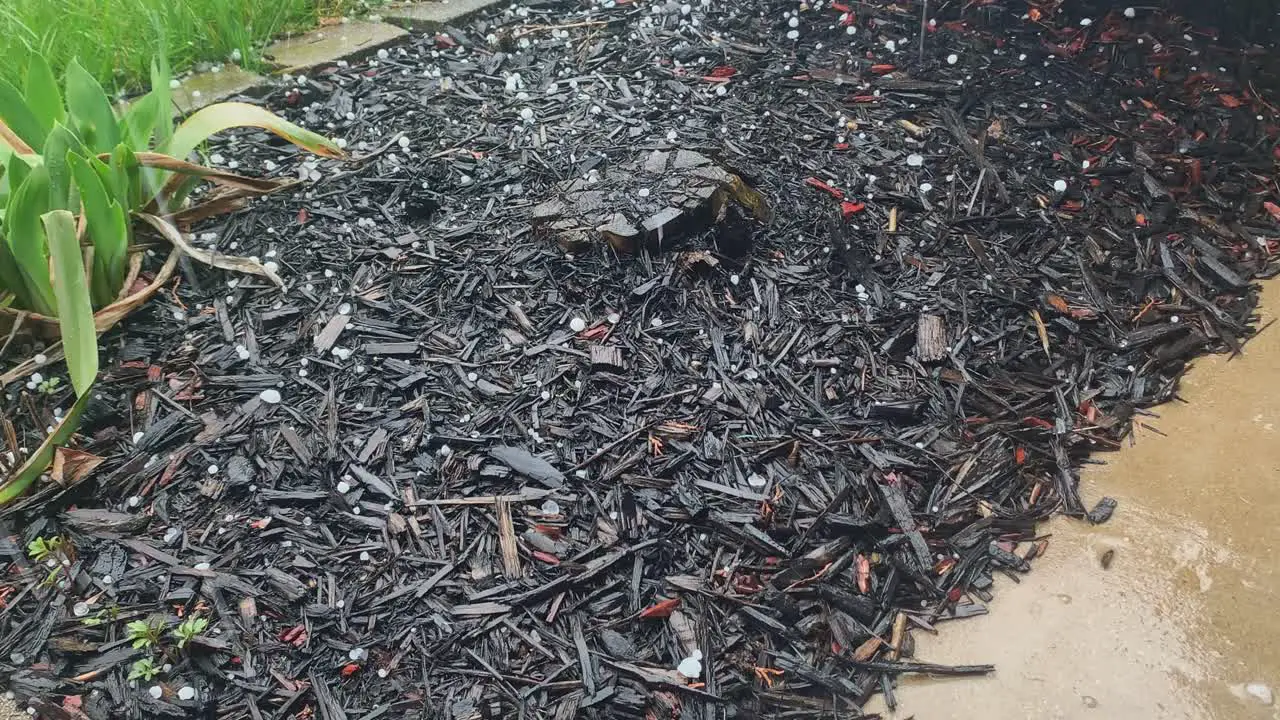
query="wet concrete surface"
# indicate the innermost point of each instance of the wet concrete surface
(1185, 623)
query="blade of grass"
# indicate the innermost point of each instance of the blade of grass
(75, 313)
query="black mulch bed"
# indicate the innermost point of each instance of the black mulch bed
(765, 466)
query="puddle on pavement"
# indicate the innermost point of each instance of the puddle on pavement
(1184, 622)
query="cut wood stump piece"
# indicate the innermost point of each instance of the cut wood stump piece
(931, 338)
(606, 357)
(650, 203)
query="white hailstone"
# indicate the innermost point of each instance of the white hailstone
(212, 469)
(671, 136)
(465, 180)
(107, 579)
(80, 609)
(550, 507)
(202, 566)
(344, 309)
(817, 432)
(270, 396)
(383, 54)
(134, 501)
(656, 322)
(343, 487)
(643, 192)
(1261, 692)
(925, 187)
(1085, 22)
(577, 324)
(403, 142)
(156, 691)
(722, 90)
(952, 59)
(915, 160)
(793, 34)
(187, 693)
(444, 451)
(1060, 185)
(756, 480)
(1084, 165)
(891, 46)
(242, 352)
(217, 159)
(357, 654)
(472, 377)
(382, 672)
(171, 535)
(527, 114)
(1175, 319)
(341, 353)
(690, 667)
(1130, 13)
(365, 556)
(268, 165)
(138, 436)
(614, 318)
(794, 21)
(851, 30)
(40, 358)
(734, 279)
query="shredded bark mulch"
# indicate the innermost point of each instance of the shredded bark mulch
(874, 308)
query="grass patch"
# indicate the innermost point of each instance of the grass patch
(116, 39)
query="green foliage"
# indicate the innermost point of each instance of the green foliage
(116, 39)
(86, 160)
(75, 315)
(143, 669)
(144, 633)
(189, 629)
(73, 174)
(42, 549)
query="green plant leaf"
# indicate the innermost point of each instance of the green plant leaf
(42, 96)
(18, 483)
(90, 110)
(213, 119)
(127, 178)
(26, 238)
(160, 77)
(107, 225)
(10, 275)
(59, 143)
(75, 313)
(16, 173)
(140, 120)
(18, 116)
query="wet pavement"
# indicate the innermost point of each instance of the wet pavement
(1183, 623)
